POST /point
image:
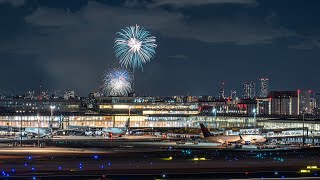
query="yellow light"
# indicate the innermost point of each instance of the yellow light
(105, 106)
(167, 159)
(312, 167)
(305, 171)
(202, 159)
(120, 106)
(195, 159)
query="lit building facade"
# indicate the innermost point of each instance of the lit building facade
(284, 102)
(249, 91)
(264, 87)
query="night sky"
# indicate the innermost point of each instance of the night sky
(68, 44)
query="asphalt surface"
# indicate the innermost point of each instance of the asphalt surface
(149, 159)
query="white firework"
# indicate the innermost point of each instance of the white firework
(117, 82)
(134, 46)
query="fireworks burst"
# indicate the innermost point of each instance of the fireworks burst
(117, 82)
(134, 47)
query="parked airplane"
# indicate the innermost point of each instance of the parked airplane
(224, 139)
(116, 130)
(34, 132)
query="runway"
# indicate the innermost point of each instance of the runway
(145, 156)
(145, 159)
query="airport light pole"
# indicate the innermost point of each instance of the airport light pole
(254, 118)
(20, 130)
(215, 117)
(302, 129)
(129, 120)
(51, 117)
(38, 119)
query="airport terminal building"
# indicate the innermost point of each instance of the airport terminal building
(143, 112)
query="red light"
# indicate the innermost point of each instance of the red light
(298, 90)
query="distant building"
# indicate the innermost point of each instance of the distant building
(247, 106)
(221, 91)
(69, 94)
(263, 106)
(190, 99)
(233, 94)
(317, 103)
(284, 102)
(40, 105)
(205, 98)
(249, 91)
(264, 87)
(30, 95)
(44, 95)
(304, 102)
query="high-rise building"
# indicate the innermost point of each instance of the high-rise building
(221, 91)
(249, 90)
(264, 87)
(304, 102)
(284, 102)
(233, 94)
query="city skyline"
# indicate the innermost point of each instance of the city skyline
(62, 45)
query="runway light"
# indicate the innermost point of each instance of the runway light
(312, 167)
(305, 171)
(167, 159)
(33, 178)
(102, 167)
(32, 168)
(59, 167)
(29, 157)
(276, 173)
(96, 157)
(13, 170)
(25, 164)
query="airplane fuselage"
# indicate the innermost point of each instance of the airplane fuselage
(235, 138)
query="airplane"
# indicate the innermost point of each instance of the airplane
(116, 130)
(35, 132)
(224, 139)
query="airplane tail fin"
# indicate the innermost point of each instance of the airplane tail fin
(205, 131)
(240, 137)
